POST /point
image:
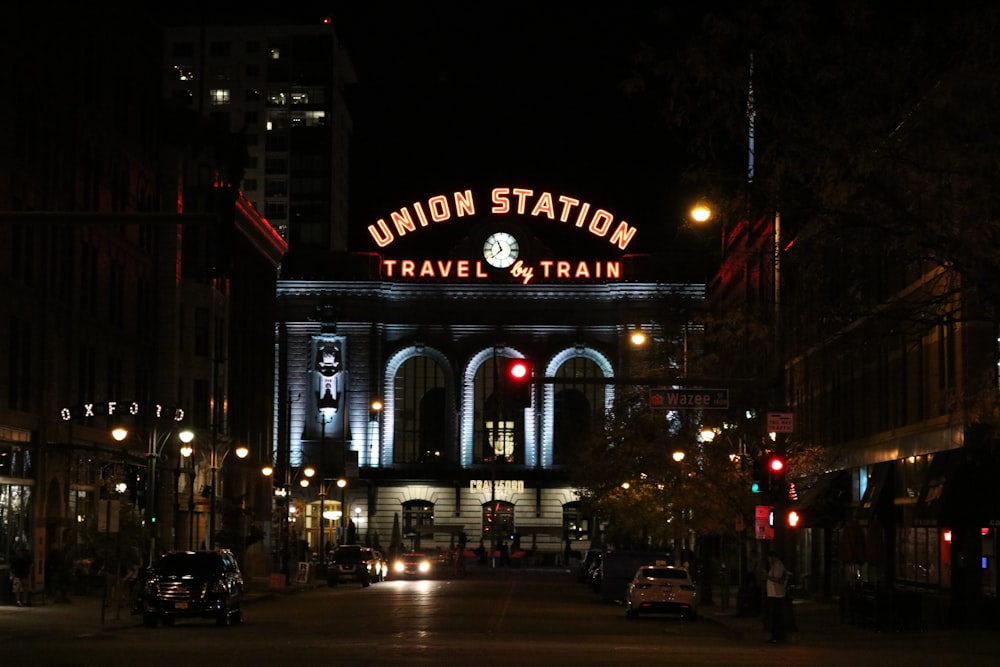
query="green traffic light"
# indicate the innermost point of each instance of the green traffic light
(755, 487)
(152, 519)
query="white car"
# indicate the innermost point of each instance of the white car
(661, 588)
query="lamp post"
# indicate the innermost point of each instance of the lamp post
(215, 462)
(154, 449)
(342, 484)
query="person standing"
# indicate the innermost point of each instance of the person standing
(777, 580)
(20, 574)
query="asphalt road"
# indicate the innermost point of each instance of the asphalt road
(501, 617)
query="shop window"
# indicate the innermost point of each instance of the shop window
(498, 521)
(418, 524)
(576, 525)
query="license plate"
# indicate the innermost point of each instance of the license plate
(180, 605)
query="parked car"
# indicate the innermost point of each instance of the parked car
(412, 565)
(201, 584)
(351, 562)
(661, 588)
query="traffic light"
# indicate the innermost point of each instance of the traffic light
(793, 518)
(518, 383)
(776, 466)
(776, 474)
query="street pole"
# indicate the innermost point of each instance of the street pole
(322, 494)
(151, 494)
(211, 498)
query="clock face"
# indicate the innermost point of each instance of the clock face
(500, 250)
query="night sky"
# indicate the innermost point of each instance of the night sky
(453, 96)
(459, 95)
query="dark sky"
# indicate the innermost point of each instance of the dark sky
(458, 95)
(472, 95)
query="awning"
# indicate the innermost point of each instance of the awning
(554, 531)
(961, 489)
(878, 482)
(826, 502)
(939, 487)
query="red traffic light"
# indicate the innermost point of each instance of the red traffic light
(794, 518)
(776, 465)
(518, 370)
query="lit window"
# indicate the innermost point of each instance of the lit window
(275, 53)
(219, 96)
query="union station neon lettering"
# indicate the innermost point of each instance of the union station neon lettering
(522, 201)
(467, 269)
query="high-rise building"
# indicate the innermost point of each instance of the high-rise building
(279, 88)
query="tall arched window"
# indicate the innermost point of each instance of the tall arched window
(498, 434)
(578, 407)
(421, 421)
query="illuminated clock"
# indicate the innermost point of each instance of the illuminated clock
(500, 250)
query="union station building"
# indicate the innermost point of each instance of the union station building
(392, 378)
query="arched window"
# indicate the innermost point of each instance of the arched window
(498, 521)
(421, 419)
(499, 424)
(418, 523)
(578, 408)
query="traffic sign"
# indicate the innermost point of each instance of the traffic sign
(688, 399)
(780, 422)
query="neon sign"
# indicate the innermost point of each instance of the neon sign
(441, 209)
(474, 269)
(131, 408)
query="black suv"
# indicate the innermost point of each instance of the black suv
(352, 562)
(200, 584)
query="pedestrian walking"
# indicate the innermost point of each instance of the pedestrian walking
(776, 586)
(20, 575)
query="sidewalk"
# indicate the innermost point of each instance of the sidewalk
(85, 615)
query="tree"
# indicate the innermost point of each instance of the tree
(874, 126)
(873, 137)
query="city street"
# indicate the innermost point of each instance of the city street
(499, 617)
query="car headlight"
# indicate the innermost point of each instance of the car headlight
(398, 566)
(424, 566)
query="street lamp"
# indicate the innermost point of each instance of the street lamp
(215, 463)
(342, 483)
(283, 501)
(154, 449)
(327, 404)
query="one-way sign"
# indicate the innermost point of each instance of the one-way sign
(688, 399)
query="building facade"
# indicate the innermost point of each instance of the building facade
(425, 334)
(136, 276)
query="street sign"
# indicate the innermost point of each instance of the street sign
(764, 522)
(780, 422)
(688, 399)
